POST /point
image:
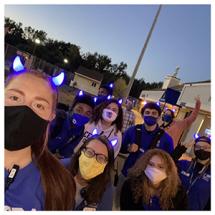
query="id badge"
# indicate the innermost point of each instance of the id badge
(89, 209)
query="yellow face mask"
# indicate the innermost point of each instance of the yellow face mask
(90, 167)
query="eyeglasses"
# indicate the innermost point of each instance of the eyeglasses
(90, 153)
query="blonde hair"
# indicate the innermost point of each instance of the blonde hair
(141, 184)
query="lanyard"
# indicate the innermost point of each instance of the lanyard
(202, 172)
(11, 177)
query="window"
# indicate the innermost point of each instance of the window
(93, 84)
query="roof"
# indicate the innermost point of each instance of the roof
(199, 82)
(89, 73)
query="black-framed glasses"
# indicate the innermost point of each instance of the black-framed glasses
(90, 153)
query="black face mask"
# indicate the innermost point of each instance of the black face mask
(202, 155)
(23, 127)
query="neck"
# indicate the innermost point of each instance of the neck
(105, 124)
(203, 162)
(150, 127)
(80, 180)
(20, 157)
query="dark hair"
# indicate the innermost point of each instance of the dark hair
(97, 115)
(108, 88)
(172, 113)
(57, 182)
(203, 139)
(97, 185)
(86, 99)
(151, 105)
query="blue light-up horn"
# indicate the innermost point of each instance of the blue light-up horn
(58, 80)
(114, 142)
(196, 136)
(111, 85)
(109, 97)
(80, 93)
(95, 132)
(95, 99)
(158, 103)
(18, 65)
(120, 101)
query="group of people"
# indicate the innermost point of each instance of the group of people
(58, 160)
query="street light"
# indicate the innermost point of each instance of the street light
(65, 60)
(141, 54)
(36, 42)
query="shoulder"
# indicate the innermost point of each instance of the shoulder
(65, 162)
(166, 136)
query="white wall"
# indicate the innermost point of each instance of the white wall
(86, 84)
(189, 92)
(151, 95)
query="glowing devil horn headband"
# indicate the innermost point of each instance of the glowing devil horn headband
(58, 80)
(19, 67)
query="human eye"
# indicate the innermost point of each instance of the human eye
(13, 98)
(40, 106)
(89, 153)
(151, 164)
(101, 159)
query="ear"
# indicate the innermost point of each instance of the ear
(52, 117)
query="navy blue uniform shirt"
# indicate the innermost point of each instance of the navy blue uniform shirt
(26, 192)
(200, 191)
(147, 137)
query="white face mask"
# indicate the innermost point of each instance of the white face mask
(109, 115)
(155, 175)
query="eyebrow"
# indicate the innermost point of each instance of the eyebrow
(18, 91)
(37, 97)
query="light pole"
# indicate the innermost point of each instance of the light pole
(141, 55)
(36, 42)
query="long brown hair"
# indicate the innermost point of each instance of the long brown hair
(99, 109)
(97, 185)
(58, 183)
(141, 184)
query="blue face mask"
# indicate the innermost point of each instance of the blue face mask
(79, 120)
(167, 118)
(150, 120)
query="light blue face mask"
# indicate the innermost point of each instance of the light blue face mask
(79, 120)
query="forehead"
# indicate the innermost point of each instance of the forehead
(103, 90)
(32, 86)
(98, 147)
(148, 110)
(113, 105)
(202, 143)
(168, 112)
(156, 159)
(84, 106)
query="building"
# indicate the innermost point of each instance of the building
(185, 103)
(87, 80)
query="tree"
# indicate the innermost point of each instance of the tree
(119, 87)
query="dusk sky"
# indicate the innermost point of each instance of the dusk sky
(181, 35)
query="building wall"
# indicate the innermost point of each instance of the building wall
(190, 91)
(88, 85)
